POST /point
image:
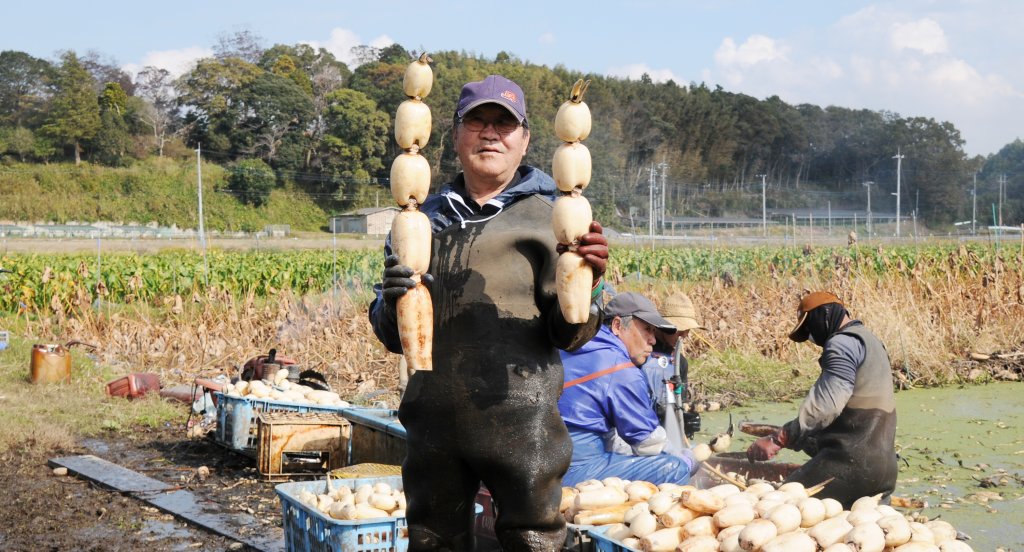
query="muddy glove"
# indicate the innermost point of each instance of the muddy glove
(766, 447)
(593, 248)
(398, 279)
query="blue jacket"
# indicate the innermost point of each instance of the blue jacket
(619, 400)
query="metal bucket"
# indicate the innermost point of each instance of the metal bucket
(50, 364)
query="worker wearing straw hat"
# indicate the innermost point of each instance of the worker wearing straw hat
(678, 309)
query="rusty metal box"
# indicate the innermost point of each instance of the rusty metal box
(133, 385)
(301, 443)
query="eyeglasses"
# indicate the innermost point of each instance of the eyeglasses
(644, 329)
(502, 125)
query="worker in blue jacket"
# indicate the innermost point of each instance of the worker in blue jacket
(607, 405)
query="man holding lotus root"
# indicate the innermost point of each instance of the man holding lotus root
(488, 410)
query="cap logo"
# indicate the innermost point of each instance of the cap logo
(509, 95)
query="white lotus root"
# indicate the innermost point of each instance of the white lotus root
(683, 518)
(410, 231)
(571, 217)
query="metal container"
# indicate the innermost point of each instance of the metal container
(50, 364)
(691, 423)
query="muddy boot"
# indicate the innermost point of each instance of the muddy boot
(422, 539)
(522, 540)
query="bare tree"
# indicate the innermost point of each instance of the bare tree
(245, 45)
(155, 86)
(364, 54)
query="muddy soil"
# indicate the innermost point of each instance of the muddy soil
(44, 512)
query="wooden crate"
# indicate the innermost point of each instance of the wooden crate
(302, 443)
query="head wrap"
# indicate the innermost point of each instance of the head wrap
(824, 321)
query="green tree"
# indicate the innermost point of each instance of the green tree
(356, 139)
(113, 140)
(74, 114)
(277, 107)
(212, 95)
(19, 141)
(251, 180)
(394, 53)
(23, 87)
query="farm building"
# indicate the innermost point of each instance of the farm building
(371, 220)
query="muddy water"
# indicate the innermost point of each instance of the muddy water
(952, 439)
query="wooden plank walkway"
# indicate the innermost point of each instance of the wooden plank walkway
(173, 500)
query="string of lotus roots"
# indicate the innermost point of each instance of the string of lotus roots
(410, 230)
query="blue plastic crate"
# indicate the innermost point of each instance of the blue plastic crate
(236, 419)
(308, 530)
(377, 436)
(381, 419)
(602, 543)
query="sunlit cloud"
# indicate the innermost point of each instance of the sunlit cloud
(924, 35)
(547, 38)
(176, 62)
(756, 49)
(341, 42)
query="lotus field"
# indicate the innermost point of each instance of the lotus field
(932, 305)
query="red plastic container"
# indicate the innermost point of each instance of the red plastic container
(486, 539)
(133, 385)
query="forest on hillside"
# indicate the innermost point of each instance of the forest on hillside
(295, 117)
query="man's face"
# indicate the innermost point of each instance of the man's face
(638, 337)
(669, 339)
(490, 143)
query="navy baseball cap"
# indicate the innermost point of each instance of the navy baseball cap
(493, 89)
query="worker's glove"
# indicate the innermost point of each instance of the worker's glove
(398, 280)
(685, 454)
(766, 447)
(593, 247)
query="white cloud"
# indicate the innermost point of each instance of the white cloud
(924, 35)
(547, 38)
(827, 68)
(177, 62)
(342, 41)
(636, 70)
(756, 49)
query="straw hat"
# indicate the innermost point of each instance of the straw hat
(679, 310)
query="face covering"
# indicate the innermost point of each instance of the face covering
(824, 321)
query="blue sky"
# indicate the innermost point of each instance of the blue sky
(960, 61)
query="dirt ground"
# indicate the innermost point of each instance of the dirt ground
(45, 512)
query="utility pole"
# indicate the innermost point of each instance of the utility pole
(868, 186)
(974, 205)
(899, 164)
(650, 206)
(1002, 192)
(664, 174)
(764, 211)
(202, 231)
